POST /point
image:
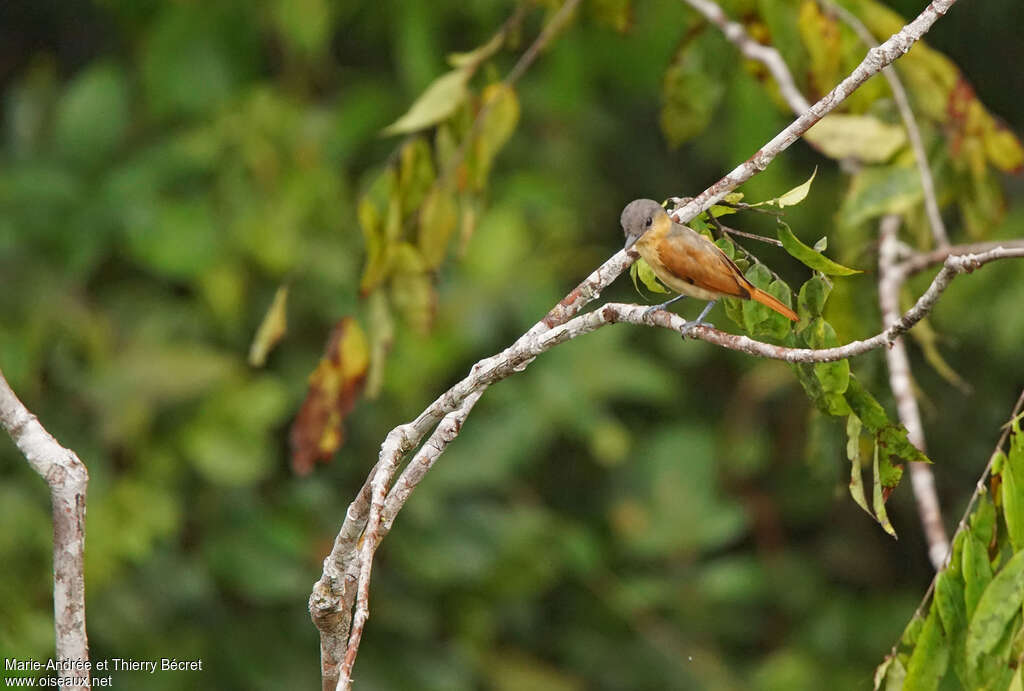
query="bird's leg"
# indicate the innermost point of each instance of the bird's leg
(699, 321)
(663, 305)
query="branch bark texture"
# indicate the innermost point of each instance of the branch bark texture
(890, 285)
(67, 478)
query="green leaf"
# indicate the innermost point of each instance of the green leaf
(725, 244)
(895, 676)
(690, 90)
(305, 24)
(870, 411)
(1018, 682)
(192, 62)
(930, 658)
(894, 439)
(853, 428)
(617, 14)
(878, 499)
(808, 256)
(754, 313)
(949, 601)
(977, 572)
(1012, 492)
(876, 191)
(999, 604)
(181, 241)
(92, 116)
(983, 521)
(861, 137)
(439, 218)
(834, 376)
(643, 271)
(811, 299)
(444, 95)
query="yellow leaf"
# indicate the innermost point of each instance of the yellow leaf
(438, 220)
(271, 330)
(820, 35)
(498, 123)
(415, 173)
(412, 288)
(382, 334)
(797, 194)
(862, 137)
(1003, 148)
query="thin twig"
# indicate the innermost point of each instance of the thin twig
(979, 487)
(919, 261)
(752, 236)
(67, 478)
(890, 284)
(899, 94)
(518, 356)
(766, 55)
(748, 255)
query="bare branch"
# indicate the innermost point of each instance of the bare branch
(334, 590)
(452, 405)
(766, 55)
(890, 284)
(918, 262)
(899, 95)
(752, 236)
(67, 478)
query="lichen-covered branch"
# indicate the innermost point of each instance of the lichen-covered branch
(67, 478)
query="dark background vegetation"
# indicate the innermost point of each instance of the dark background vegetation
(632, 512)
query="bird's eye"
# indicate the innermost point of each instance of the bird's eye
(647, 223)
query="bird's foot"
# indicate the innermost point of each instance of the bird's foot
(689, 326)
(699, 321)
(655, 308)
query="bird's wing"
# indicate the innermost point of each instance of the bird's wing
(698, 261)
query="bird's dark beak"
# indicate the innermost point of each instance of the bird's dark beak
(630, 241)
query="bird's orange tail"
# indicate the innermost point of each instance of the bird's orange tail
(769, 300)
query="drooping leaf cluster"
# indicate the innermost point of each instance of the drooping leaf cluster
(972, 629)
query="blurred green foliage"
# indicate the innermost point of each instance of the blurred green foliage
(633, 512)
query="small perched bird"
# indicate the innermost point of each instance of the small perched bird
(687, 262)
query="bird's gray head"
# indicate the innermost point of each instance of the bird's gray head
(638, 217)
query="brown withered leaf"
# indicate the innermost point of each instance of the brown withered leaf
(334, 385)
